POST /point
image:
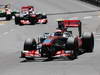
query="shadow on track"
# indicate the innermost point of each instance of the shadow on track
(30, 24)
(92, 2)
(75, 12)
(37, 60)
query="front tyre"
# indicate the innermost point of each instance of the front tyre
(8, 17)
(30, 44)
(45, 22)
(72, 45)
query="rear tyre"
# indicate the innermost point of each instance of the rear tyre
(88, 42)
(72, 45)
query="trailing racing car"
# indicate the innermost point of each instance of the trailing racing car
(61, 43)
(5, 12)
(28, 16)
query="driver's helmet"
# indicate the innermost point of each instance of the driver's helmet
(26, 12)
(7, 6)
(33, 12)
(58, 30)
(58, 33)
(46, 35)
(67, 34)
(7, 9)
(30, 10)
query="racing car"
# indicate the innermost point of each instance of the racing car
(28, 16)
(62, 43)
(5, 12)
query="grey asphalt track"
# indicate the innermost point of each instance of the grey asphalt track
(12, 38)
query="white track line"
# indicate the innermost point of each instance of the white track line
(97, 35)
(1, 24)
(97, 39)
(77, 18)
(84, 5)
(88, 17)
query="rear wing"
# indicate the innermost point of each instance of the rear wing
(64, 24)
(71, 23)
(27, 8)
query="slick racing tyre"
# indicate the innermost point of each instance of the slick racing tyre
(44, 16)
(72, 45)
(8, 17)
(33, 20)
(47, 51)
(45, 22)
(20, 24)
(44, 51)
(30, 44)
(17, 20)
(51, 52)
(88, 41)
